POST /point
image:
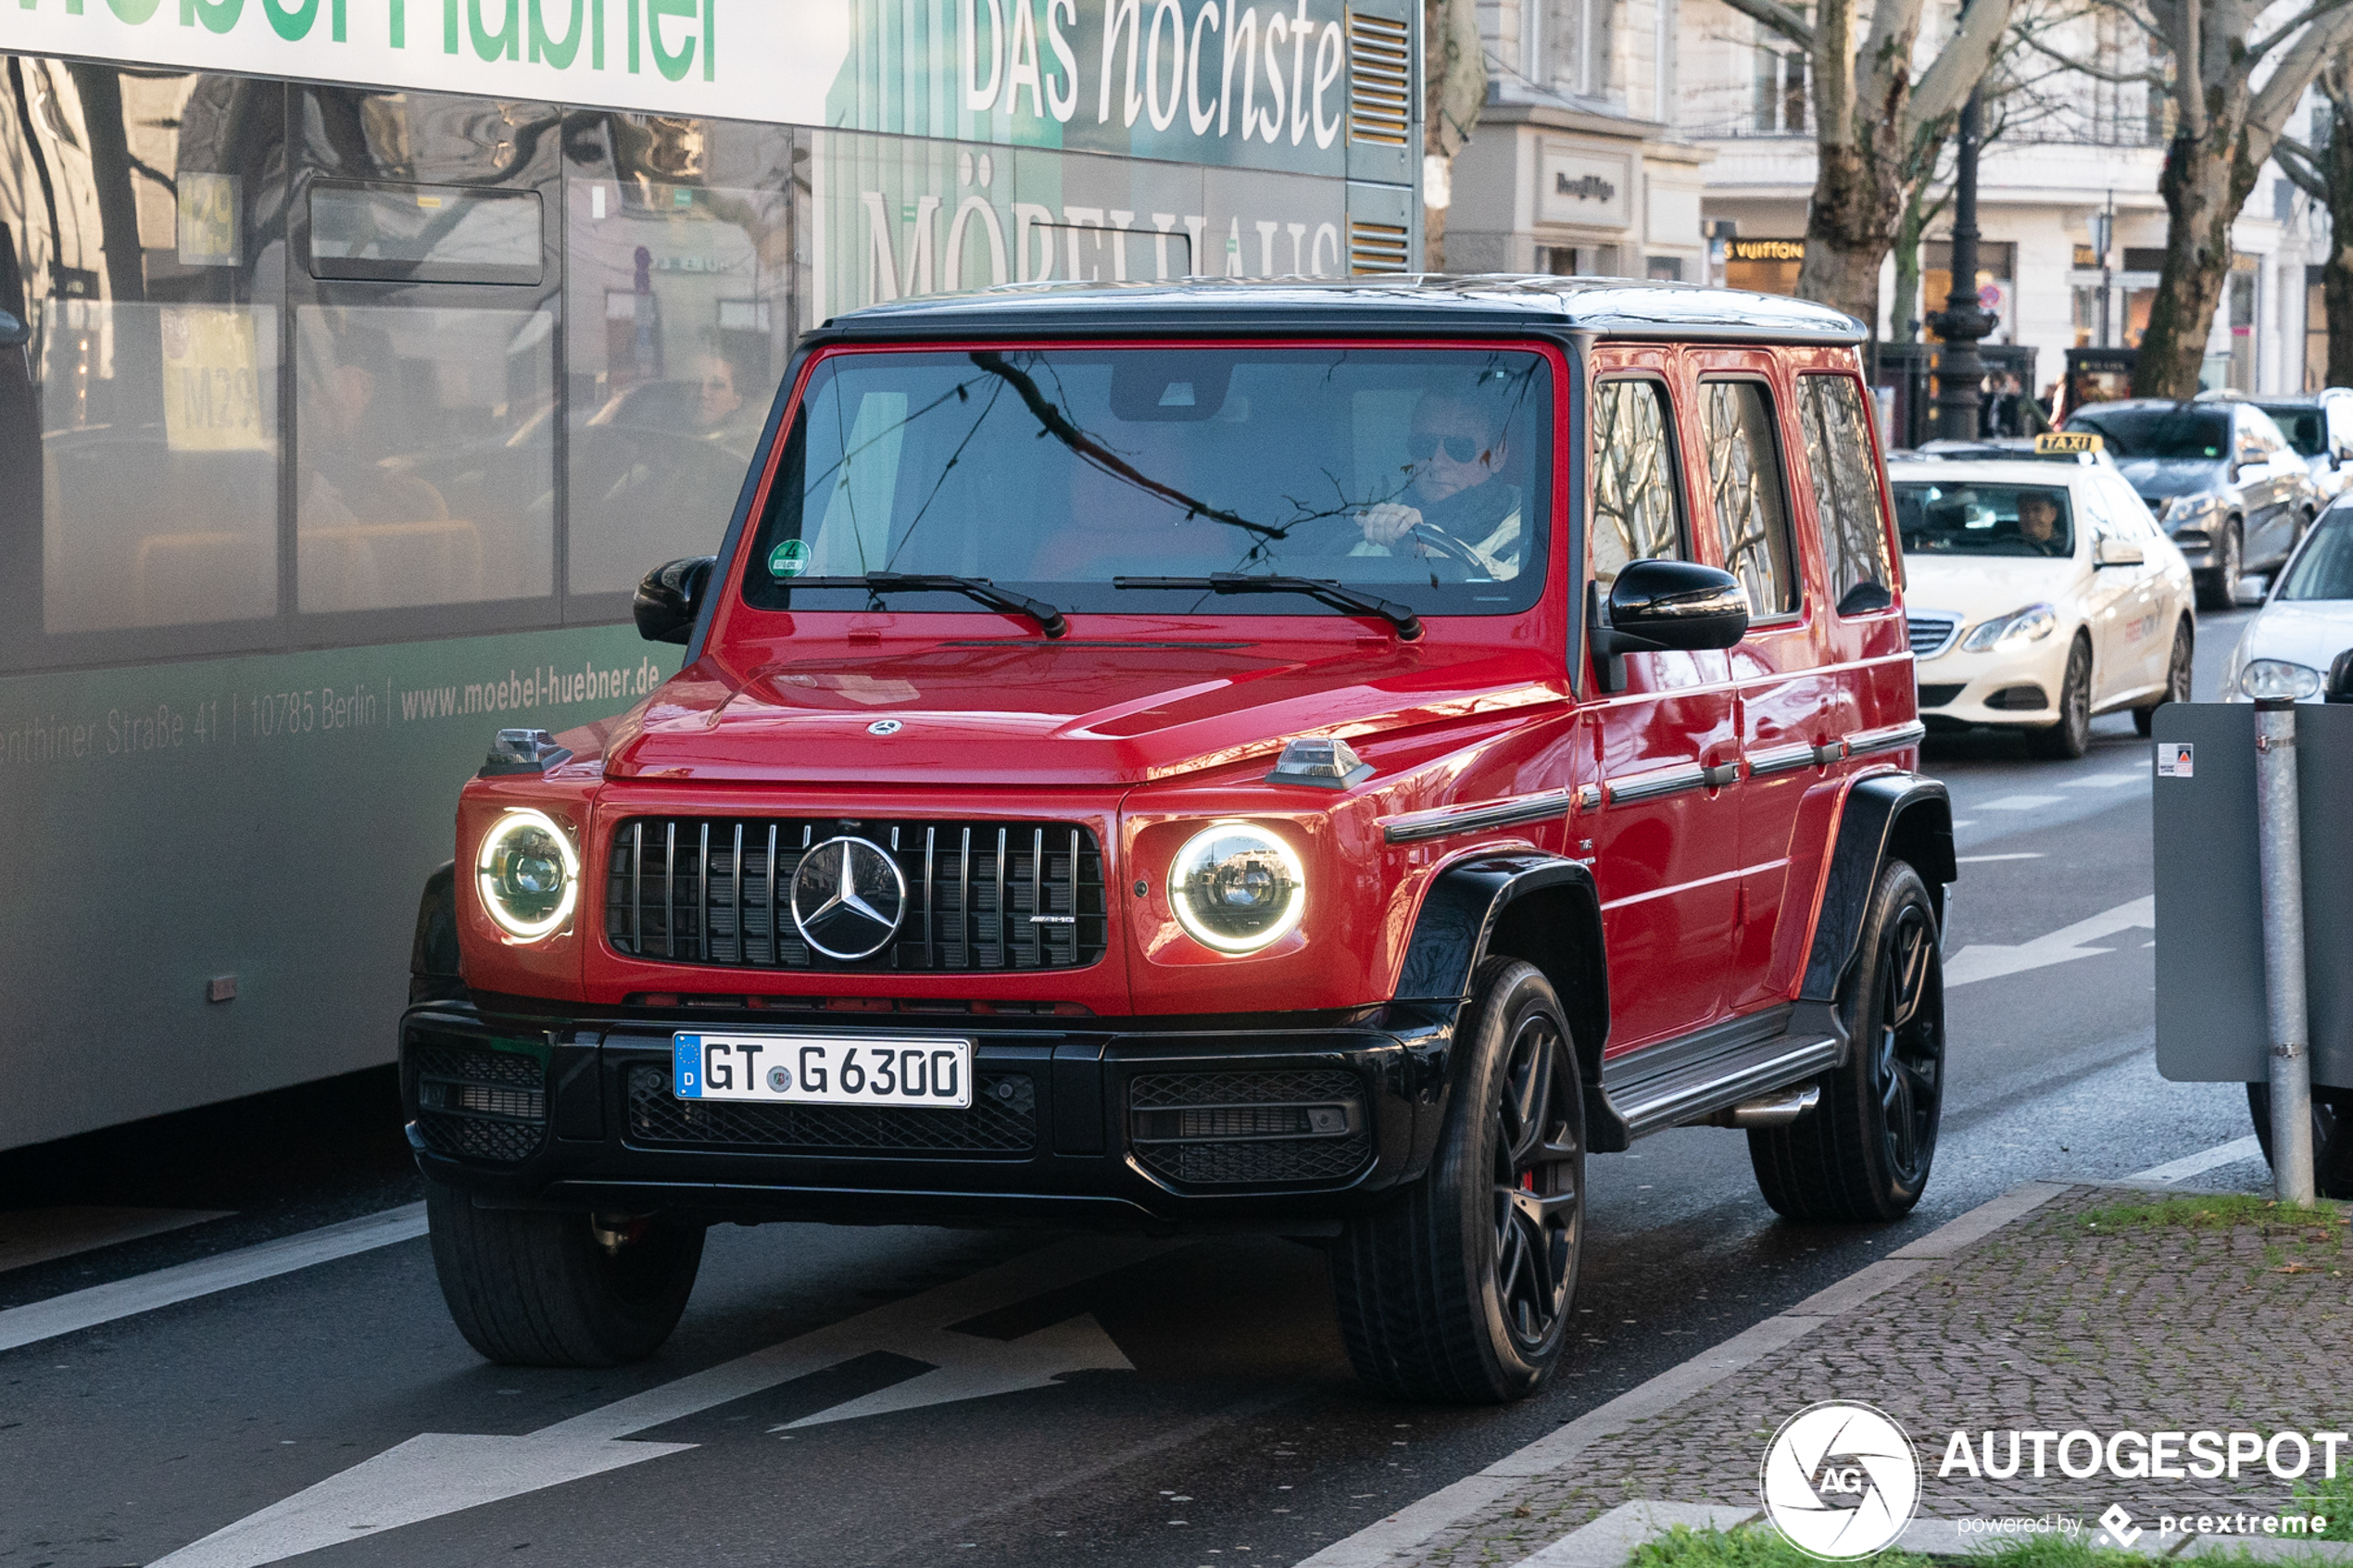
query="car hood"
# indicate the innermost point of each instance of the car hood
(2308, 632)
(1979, 587)
(2161, 477)
(1036, 712)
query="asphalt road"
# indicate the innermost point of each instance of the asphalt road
(1152, 1404)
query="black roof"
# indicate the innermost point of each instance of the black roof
(1610, 307)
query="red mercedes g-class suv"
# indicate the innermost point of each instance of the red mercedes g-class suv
(1317, 756)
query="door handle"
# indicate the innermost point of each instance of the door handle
(1722, 775)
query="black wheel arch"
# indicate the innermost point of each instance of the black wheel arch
(434, 971)
(1886, 817)
(1523, 904)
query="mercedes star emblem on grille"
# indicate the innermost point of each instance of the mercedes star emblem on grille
(848, 898)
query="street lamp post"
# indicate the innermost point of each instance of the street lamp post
(1960, 372)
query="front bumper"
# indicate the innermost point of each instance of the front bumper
(2012, 689)
(1121, 1123)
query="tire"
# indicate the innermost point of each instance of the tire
(1460, 1291)
(2179, 665)
(2071, 736)
(2332, 1136)
(2221, 591)
(532, 1289)
(1864, 1153)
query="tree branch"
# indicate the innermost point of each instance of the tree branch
(1778, 18)
(2076, 68)
(2313, 12)
(1961, 63)
(2269, 111)
(2298, 162)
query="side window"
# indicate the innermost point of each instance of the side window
(1846, 494)
(1637, 509)
(1749, 493)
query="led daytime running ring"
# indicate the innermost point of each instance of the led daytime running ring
(487, 873)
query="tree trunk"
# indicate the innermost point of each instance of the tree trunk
(1849, 225)
(2204, 187)
(1909, 307)
(2335, 169)
(1453, 86)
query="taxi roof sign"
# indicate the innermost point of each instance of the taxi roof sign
(2066, 443)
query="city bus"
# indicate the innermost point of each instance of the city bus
(374, 349)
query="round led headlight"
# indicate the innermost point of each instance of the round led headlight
(1237, 888)
(528, 873)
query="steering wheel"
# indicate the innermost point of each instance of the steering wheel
(1437, 542)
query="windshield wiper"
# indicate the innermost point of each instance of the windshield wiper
(1049, 618)
(1338, 595)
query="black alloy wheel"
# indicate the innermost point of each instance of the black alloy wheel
(1460, 1289)
(1865, 1153)
(2332, 1136)
(2178, 667)
(1539, 1182)
(2222, 591)
(1908, 1045)
(2071, 736)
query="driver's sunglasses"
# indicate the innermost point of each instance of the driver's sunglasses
(1422, 445)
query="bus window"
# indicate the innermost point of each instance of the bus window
(678, 271)
(143, 466)
(424, 455)
(424, 234)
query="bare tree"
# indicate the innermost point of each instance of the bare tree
(2325, 172)
(1453, 86)
(2226, 130)
(1873, 121)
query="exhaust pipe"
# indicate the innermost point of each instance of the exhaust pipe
(1776, 1109)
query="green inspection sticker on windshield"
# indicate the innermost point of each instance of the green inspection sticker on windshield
(789, 559)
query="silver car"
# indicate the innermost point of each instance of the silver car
(2218, 475)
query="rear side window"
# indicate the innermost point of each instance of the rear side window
(1637, 509)
(1846, 494)
(1751, 500)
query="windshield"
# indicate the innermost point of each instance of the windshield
(2180, 431)
(2324, 570)
(1416, 473)
(1983, 519)
(2302, 424)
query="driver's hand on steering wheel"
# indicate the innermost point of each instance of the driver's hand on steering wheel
(1388, 521)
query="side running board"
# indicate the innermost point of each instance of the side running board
(1681, 1081)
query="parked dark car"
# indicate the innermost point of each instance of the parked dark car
(2220, 478)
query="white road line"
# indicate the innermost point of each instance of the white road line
(1403, 1532)
(438, 1473)
(2105, 781)
(1988, 961)
(144, 1293)
(2019, 803)
(2247, 1147)
(2018, 855)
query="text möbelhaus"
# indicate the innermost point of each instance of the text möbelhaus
(2167, 1456)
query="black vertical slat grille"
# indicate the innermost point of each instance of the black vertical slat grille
(981, 897)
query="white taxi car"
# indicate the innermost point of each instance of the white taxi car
(2040, 592)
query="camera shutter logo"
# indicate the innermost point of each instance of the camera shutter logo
(1841, 1480)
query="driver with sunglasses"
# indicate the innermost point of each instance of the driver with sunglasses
(1458, 448)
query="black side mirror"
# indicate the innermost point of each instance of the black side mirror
(1663, 606)
(2338, 687)
(14, 333)
(670, 597)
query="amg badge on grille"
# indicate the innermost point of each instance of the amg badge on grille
(848, 897)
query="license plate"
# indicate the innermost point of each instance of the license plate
(803, 1070)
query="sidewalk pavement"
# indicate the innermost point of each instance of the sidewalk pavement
(2051, 1323)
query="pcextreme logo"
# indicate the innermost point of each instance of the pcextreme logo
(1839, 1480)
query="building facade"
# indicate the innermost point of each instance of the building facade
(2064, 149)
(1578, 165)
